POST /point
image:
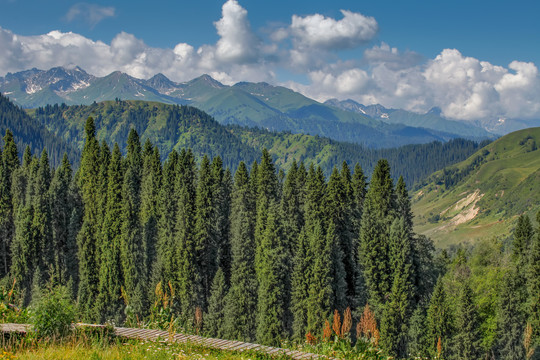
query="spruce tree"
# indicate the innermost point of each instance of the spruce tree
(293, 219)
(266, 192)
(61, 212)
(439, 322)
(241, 304)
(9, 163)
(214, 319)
(403, 203)
(75, 223)
(205, 238)
(523, 235)
(373, 249)
(467, 340)
(42, 219)
(511, 318)
(359, 186)
(132, 248)
(326, 282)
(187, 293)
(417, 342)
(88, 183)
(109, 302)
(221, 191)
(339, 212)
(397, 311)
(300, 286)
(150, 187)
(272, 293)
(164, 269)
(104, 160)
(24, 252)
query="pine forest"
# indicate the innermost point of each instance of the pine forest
(258, 255)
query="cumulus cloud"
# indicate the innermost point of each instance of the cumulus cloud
(318, 31)
(237, 42)
(92, 14)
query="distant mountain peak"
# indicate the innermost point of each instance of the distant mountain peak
(208, 80)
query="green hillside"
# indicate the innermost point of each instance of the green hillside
(483, 195)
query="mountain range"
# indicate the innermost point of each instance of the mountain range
(260, 105)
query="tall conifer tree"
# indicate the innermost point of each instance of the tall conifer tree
(205, 235)
(133, 248)
(272, 293)
(439, 322)
(109, 303)
(221, 193)
(300, 286)
(187, 293)
(150, 187)
(397, 311)
(339, 213)
(468, 335)
(214, 319)
(88, 183)
(511, 317)
(9, 162)
(61, 208)
(165, 269)
(42, 219)
(374, 236)
(241, 304)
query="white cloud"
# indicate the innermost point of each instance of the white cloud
(89, 13)
(237, 42)
(318, 31)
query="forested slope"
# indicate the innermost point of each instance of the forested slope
(173, 127)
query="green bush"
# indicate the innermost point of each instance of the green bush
(54, 314)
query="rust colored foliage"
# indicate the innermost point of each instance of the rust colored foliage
(347, 323)
(310, 339)
(336, 326)
(439, 348)
(367, 326)
(198, 319)
(327, 331)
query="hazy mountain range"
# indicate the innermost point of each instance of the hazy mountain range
(250, 104)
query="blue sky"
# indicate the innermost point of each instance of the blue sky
(474, 59)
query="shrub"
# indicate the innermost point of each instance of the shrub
(53, 314)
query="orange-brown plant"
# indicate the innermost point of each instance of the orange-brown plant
(527, 341)
(198, 319)
(367, 326)
(336, 326)
(439, 348)
(310, 339)
(327, 331)
(347, 323)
